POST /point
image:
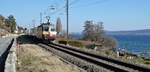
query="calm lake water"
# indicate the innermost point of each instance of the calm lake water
(132, 43)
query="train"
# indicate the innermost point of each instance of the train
(46, 32)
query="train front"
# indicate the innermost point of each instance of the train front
(49, 32)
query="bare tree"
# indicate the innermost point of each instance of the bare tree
(58, 26)
(64, 33)
(98, 31)
(93, 32)
(88, 30)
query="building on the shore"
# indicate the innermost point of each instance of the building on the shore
(16, 31)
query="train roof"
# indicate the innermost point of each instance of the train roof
(43, 24)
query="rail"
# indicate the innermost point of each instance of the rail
(71, 51)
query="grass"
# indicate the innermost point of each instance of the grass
(27, 61)
(32, 58)
(146, 62)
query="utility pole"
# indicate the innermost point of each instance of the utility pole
(29, 29)
(67, 8)
(33, 24)
(40, 18)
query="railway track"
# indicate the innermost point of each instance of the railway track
(98, 60)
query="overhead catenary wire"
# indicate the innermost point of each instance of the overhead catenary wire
(62, 8)
(79, 6)
(90, 4)
(71, 6)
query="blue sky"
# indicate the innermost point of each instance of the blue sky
(116, 14)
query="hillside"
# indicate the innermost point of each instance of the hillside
(131, 32)
(3, 32)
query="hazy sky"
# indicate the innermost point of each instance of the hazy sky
(116, 14)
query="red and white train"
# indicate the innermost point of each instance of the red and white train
(45, 31)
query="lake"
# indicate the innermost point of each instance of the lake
(134, 43)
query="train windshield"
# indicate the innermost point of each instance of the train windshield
(45, 29)
(52, 29)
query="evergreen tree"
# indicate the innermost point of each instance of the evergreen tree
(2, 19)
(58, 26)
(11, 23)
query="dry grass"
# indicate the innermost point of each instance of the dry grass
(32, 58)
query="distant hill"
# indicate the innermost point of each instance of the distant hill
(131, 32)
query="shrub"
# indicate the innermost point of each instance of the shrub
(107, 52)
(146, 62)
(62, 42)
(139, 59)
(76, 44)
(129, 53)
(110, 42)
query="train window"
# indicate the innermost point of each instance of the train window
(53, 29)
(45, 28)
